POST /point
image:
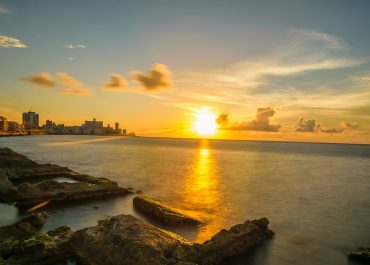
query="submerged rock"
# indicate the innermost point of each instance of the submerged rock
(124, 239)
(159, 210)
(361, 254)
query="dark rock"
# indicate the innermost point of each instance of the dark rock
(124, 239)
(28, 194)
(157, 209)
(361, 254)
(7, 189)
(27, 182)
(43, 248)
(12, 235)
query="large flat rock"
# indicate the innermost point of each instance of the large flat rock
(159, 210)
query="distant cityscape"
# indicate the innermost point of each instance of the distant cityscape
(30, 125)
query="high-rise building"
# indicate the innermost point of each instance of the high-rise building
(30, 120)
(3, 124)
(116, 126)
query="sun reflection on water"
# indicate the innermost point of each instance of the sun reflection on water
(201, 194)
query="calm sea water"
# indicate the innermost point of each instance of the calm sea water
(316, 196)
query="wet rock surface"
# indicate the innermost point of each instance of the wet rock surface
(12, 235)
(362, 254)
(124, 238)
(160, 211)
(27, 182)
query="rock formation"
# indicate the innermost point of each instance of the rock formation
(159, 210)
(124, 239)
(27, 182)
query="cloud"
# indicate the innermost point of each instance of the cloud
(78, 46)
(305, 125)
(331, 130)
(72, 85)
(349, 125)
(222, 120)
(311, 126)
(8, 42)
(158, 78)
(261, 123)
(40, 79)
(4, 10)
(116, 83)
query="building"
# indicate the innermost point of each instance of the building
(30, 120)
(14, 127)
(92, 127)
(3, 125)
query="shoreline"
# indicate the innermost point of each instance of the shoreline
(198, 139)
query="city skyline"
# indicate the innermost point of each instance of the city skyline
(187, 69)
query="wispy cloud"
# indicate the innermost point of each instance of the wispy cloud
(72, 86)
(117, 83)
(9, 42)
(40, 79)
(4, 10)
(157, 79)
(75, 46)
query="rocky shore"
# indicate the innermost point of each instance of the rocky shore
(122, 239)
(27, 183)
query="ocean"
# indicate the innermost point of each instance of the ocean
(316, 196)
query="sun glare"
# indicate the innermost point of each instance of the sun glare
(205, 122)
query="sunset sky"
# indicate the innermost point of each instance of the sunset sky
(266, 70)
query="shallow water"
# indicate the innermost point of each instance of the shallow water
(317, 196)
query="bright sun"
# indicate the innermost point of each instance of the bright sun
(205, 122)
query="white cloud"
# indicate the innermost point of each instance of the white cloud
(75, 46)
(8, 42)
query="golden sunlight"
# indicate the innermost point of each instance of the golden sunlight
(205, 122)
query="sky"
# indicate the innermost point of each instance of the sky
(287, 70)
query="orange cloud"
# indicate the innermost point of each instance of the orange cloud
(156, 79)
(40, 79)
(73, 86)
(117, 83)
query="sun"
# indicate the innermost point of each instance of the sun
(205, 122)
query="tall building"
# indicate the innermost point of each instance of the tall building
(116, 126)
(3, 124)
(30, 120)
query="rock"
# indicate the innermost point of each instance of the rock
(7, 189)
(29, 194)
(12, 235)
(124, 239)
(27, 182)
(362, 254)
(228, 243)
(157, 209)
(44, 248)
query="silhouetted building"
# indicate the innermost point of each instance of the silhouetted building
(14, 127)
(30, 120)
(3, 124)
(92, 127)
